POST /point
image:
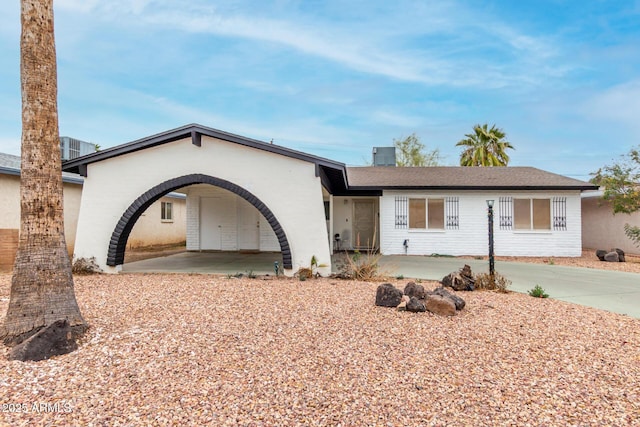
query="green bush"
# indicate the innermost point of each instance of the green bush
(538, 292)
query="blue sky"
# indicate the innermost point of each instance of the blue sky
(335, 78)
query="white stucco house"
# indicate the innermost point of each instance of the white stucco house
(247, 195)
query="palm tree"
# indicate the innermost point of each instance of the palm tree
(42, 288)
(485, 147)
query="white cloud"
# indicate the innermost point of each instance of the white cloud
(396, 45)
(619, 104)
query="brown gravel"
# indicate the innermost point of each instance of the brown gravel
(207, 350)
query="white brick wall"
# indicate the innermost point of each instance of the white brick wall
(471, 238)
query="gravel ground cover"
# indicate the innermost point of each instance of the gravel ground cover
(210, 350)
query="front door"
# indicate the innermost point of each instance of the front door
(248, 226)
(364, 224)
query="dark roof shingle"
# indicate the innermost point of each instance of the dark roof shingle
(460, 177)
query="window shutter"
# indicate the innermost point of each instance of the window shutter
(506, 213)
(452, 212)
(401, 211)
(559, 213)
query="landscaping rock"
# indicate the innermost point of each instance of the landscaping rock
(388, 295)
(457, 301)
(415, 305)
(52, 340)
(440, 305)
(415, 290)
(612, 257)
(600, 253)
(460, 281)
(620, 253)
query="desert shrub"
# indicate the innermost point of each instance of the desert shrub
(538, 292)
(361, 266)
(85, 266)
(495, 282)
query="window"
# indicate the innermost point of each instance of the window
(166, 211)
(436, 213)
(417, 213)
(426, 213)
(532, 214)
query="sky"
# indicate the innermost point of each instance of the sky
(335, 78)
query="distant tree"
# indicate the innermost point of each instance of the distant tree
(42, 285)
(621, 184)
(411, 152)
(485, 147)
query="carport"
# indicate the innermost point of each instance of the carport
(285, 189)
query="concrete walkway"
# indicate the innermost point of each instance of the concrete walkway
(608, 290)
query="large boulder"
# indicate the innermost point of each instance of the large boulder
(440, 305)
(620, 253)
(388, 295)
(52, 340)
(415, 305)
(600, 253)
(457, 301)
(415, 290)
(612, 257)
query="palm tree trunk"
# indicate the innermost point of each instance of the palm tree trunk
(42, 288)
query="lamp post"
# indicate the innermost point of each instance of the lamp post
(492, 268)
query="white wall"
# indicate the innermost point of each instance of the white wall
(471, 238)
(224, 214)
(287, 186)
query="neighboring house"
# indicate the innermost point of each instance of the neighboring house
(164, 223)
(601, 229)
(10, 208)
(247, 195)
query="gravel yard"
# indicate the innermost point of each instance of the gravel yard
(209, 350)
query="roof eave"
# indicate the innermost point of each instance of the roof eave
(475, 187)
(195, 132)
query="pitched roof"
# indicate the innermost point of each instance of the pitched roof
(331, 172)
(10, 165)
(460, 177)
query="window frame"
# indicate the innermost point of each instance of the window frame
(427, 220)
(163, 211)
(532, 217)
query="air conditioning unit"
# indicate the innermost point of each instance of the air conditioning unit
(70, 148)
(384, 156)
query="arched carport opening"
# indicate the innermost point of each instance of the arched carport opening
(118, 242)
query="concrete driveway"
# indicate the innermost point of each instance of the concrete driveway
(614, 291)
(608, 290)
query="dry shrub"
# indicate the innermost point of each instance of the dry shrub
(496, 282)
(361, 267)
(304, 273)
(85, 266)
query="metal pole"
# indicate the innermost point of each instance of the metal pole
(492, 268)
